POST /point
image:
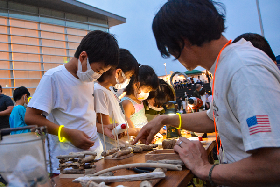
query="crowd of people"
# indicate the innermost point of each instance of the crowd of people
(78, 99)
(189, 82)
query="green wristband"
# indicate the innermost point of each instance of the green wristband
(210, 173)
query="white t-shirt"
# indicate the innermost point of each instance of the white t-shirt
(246, 101)
(66, 100)
(105, 102)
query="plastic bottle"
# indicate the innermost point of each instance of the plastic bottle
(119, 129)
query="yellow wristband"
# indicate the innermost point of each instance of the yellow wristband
(61, 139)
(180, 119)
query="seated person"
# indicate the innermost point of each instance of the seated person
(106, 103)
(21, 95)
(136, 92)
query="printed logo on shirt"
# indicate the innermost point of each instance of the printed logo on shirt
(258, 123)
(216, 110)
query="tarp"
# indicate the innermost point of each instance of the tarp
(193, 72)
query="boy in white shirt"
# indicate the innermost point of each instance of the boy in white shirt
(65, 96)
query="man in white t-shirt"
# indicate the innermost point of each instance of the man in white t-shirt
(248, 126)
(65, 96)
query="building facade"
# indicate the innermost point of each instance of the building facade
(36, 36)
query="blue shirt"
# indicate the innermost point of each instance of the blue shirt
(17, 119)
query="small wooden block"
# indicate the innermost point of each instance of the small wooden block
(74, 176)
(120, 158)
(168, 154)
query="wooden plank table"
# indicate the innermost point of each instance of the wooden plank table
(173, 178)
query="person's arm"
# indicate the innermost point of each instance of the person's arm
(9, 104)
(76, 137)
(196, 122)
(129, 110)
(7, 112)
(106, 125)
(260, 169)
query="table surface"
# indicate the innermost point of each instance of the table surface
(173, 178)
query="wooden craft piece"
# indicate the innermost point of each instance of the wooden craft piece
(168, 144)
(123, 178)
(109, 152)
(71, 156)
(88, 159)
(84, 152)
(162, 154)
(151, 183)
(73, 171)
(146, 147)
(75, 175)
(137, 149)
(166, 161)
(122, 153)
(120, 158)
(154, 165)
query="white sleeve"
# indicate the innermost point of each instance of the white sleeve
(256, 92)
(101, 103)
(45, 95)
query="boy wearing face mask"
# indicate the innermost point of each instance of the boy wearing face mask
(65, 96)
(136, 92)
(106, 103)
(21, 95)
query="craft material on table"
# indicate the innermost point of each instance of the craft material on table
(81, 163)
(162, 154)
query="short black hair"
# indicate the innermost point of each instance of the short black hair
(259, 42)
(197, 21)
(100, 47)
(162, 94)
(146, 77)
(19, 92)
(127, 62)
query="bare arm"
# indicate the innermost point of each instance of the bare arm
(76, 137)
(106, 125)
(7, 112)
(129, 110)
(260, 169)
(197, 122)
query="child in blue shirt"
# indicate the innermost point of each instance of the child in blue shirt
(21, 95)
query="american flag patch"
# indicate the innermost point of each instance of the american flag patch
(258, 123)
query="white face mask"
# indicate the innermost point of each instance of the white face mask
(155, 108)
(142, 96)
(24, 104)
(89, 75)
(122, 85)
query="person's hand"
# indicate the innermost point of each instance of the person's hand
(193, 155)
(77, 138)
(108, 131)
(147, 133)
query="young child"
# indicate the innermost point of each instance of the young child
(106, 103)
(21, 95)
(65, 96)
(154, 103)
(137, 91)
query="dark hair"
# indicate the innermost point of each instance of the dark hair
(197, 21)
(127, 63)
(163, 94)
(146, 77)
(19, 92)
(0, 89)
(259, 42)
(100, 47)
